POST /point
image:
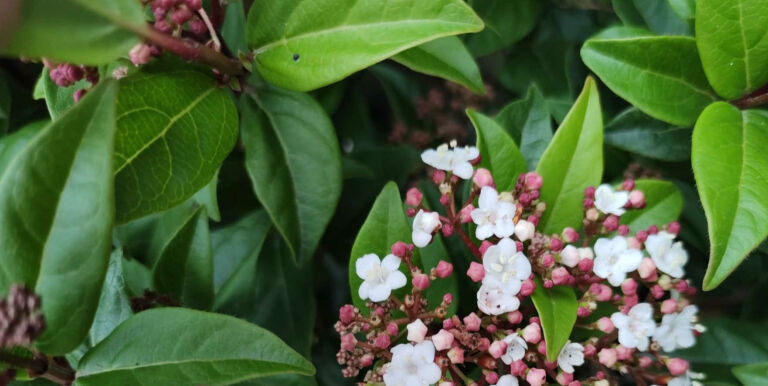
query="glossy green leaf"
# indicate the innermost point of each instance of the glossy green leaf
(661, 18)
(138, 277)
(634, 131)
(114, 304)
(236, 248)
(77, 31)
(233, 28)
(181, 346)
(529, 123)
(557, 308)
(209, 198)
(59, 99)
(447, 58)
(572, 162)
(385, 225)
(184, 269)
(728, 159)
(174, 129)
(56, 213)
(500, 153)
(660, 75)
(753, 375)
(12, 144)
(628, 13)
(506, 22)
(294, 162)
(663, 204)
(686, 9)
(304, 45)
(732, 37)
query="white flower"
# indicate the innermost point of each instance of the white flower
(686, 379)
(380, 277)
(524, 230)
(505, 267)
(412, 365)
(507, 380)
(636, 327)
(495, 300)
(423, 225)
(615, 259)
(454, 159)
(586, 253)
(676, 329)
(670, 257)
(571, 355)
(609, 201)
(493, 217)
(570, 256)
(417, 331)
(516, 348)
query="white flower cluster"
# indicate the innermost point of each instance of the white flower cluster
(496, 217)
(637, 327)
(505, 271)
(614, 258)
(380, 277)
(452, 159)
(413, 365)
(610, 201)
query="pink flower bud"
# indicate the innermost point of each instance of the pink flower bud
(445, 199)
(637, 199)
(465, 214)
(589, 192)
(607, 357)
(366, 360)
(140, 54)
(491, 378)
(79, 94)
(438, 176)
(533, 220)
(682, 286)
(547, 260)
(399, 249)
(560, 275)
(570, 235)
(413, 197)
(611, 223)
(417, 331)
(532, 333)
(442, 340)
(410, 212)
(484, 344)
(668, 306)
(447, 299)
(456, 355)
(533, 181)
(515, 317)
(623, 353)
(524, 199)
(484, 246)
(673, 227)
(447, 229)
(420, 281)
(585, 265)
(641, 236)
(629, 287)
(392, 328)
(589, 350)
(628, 184)
(448, 324)
(583, 312)
(555, 244)
(482, 178)
(536, 377)
(653, 229)
(647, 268)
(564, 378)
(630, 301)
(634, 243)
(588, 203)
(644, 361)
(163, 26)
(527, 288)
(498, 348)
(592, 214)
(348, 342)
(194, 5)
(575, 383)
(657, 292)
(600, 375)
(472, 322)
(605, 324)
(623, 230)
(476, 272)
(443, 269)
(382, 341)
(548, 283)
(347, 314)
(518, 368)
(181, 15)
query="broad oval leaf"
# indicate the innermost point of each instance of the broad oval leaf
(572, 162)
(634, 131)
(150, 349)
(76, 31)
(529, 123)
(304, 45)
(447, 58)
(235, 244)
(732, 37)
(56, 214)
(660, 75)
(731, 170)
(294, 162)
(184, 269)
(557, 307)
(506, 23)
(114, 304)
(14, 143)
(663, 204)
(58, 99)
(174, 129)
(500, 153)
(754, 374)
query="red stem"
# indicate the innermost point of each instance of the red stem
(753, 99)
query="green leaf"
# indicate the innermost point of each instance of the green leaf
(731, 170)
(208, 197)
(506, 22)
(5, 103)
(76, 31)
(114, 304)
(447, 58)
(56, 213)
(663, 204)
(184, 270)
(59, 99)
(753, 375)
(660, 75)
(500, 154)
(572, 162)
(557, 308)
(138, 277)
(732, 37)
(529, 123)
(12, 144)
(233, 28)
(235, 249)
(628, 13)
(181, 346)
(660, 17)
(174, 129)
(385, 225)
(304, 45)
(634, 131)
(294, 162)
(686, 9)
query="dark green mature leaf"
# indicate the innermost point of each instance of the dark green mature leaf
(5, 103)
(385, 225)
(114, 304)
(77, 31)
(686, 9)
(151, 349)
(663, 204)
(728, 158)
(58, 99)
(184, 268)
(500, 154)
(294, 162)
(304, 45)
(56, 213)
(660, 75)
(529, 123)
(506, 22)
(208, 197)
(753, 375)
(661, 18)
(636, 132)
(628, 13)
(447, 58)
(236, 248)
(174, 128)
(14, 143)
(732, 37)
(557, 308)
(233, 28)
(572, 162)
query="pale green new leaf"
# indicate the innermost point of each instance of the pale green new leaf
(114, 304)
(506, 22)
(753, 374)
(500, 153)
(447, 58)
(557, 307)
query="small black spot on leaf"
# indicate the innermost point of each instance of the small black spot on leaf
(296, 57)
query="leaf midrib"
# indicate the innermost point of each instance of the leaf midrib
(184, 362)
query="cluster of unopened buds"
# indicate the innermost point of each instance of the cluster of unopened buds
(632, 297)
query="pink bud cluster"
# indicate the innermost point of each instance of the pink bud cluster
(172, 15)
(65, 75)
